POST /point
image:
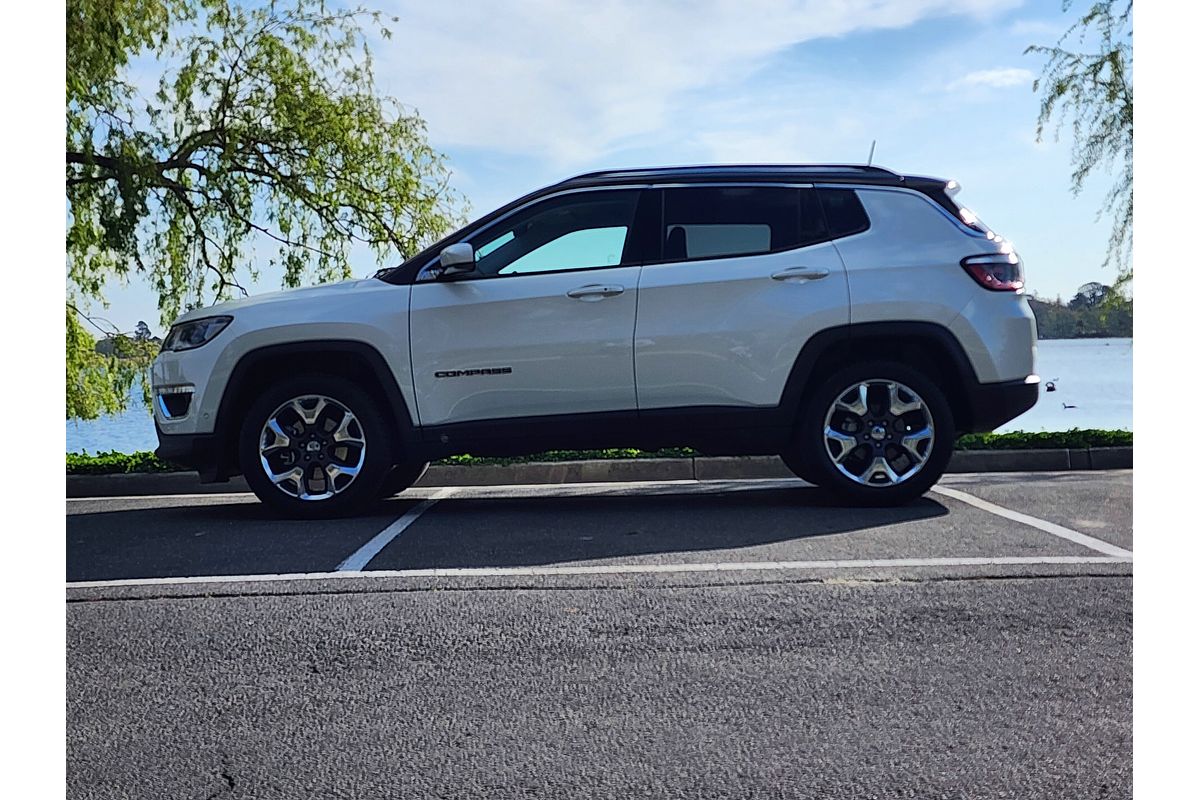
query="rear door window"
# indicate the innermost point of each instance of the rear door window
(724, 221)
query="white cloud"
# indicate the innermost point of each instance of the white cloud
(569, 82)
(1001, 78)
(1040, 29)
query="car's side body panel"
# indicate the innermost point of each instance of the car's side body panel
(371, 312)
(724, 332)
(999, 334)
(907, 267)
(520, 346)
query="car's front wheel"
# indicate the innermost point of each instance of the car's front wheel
(877, 434)
(315, 446)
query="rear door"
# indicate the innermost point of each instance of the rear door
(544, 326)
(747, 275)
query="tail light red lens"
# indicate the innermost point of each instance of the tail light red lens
(999, 272)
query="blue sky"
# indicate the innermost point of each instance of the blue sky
(524, 96)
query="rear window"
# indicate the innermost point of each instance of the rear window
(719, 222)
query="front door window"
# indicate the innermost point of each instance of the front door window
(585, 230)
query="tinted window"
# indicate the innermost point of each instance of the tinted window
(575, 231)
(709, 241)
(712, 222)
(844, 212)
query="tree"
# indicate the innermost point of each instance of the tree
(142, 332)
(101, 375)
(1095, 310)
(265, 127)
(1092, 87)
(1090, 295)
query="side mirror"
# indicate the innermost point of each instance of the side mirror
(457, 259)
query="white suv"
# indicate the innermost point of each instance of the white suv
(850, 319)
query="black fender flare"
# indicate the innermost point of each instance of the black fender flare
(235, 396)
(932, 336)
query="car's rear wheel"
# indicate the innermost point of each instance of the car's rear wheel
(315, 446)
(402, 477)
(878, 433)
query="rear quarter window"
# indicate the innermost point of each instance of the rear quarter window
(844, 212)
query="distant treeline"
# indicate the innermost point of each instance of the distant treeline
(140, 343)
(1094, 312)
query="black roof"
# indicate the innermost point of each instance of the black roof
(825, 173)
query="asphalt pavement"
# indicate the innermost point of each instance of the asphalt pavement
(676, 639)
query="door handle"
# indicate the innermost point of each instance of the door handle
(800, 274)
(595, 291)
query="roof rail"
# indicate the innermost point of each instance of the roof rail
(795, 168)
(859, 167)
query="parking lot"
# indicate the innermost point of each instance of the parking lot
(715, 638)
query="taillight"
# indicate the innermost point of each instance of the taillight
(1000, 272)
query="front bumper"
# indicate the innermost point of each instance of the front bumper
(188, 386)
(993, 404)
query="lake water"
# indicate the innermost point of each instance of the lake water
(1095, 376)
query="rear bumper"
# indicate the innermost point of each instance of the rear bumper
(993, 404)
(199, 451)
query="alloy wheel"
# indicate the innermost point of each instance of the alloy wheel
(878, 432)
(312, 447)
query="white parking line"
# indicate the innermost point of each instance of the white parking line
(1099, 545)
(611, 569)
(363, 555)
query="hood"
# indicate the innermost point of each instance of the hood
(286, 295)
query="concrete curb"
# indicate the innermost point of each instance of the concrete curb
(613, 470)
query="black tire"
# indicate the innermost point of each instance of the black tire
(794, 460)
(402, 477)
(376, 460)
(814, 463)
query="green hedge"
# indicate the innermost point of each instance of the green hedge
(1048, 440)
(113, 462)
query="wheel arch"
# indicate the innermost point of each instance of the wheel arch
(256, 369)
(926, 346)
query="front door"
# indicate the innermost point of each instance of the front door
(543, 326)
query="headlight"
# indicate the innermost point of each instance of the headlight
(190, 335)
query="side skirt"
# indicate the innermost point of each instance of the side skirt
(712, 430)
